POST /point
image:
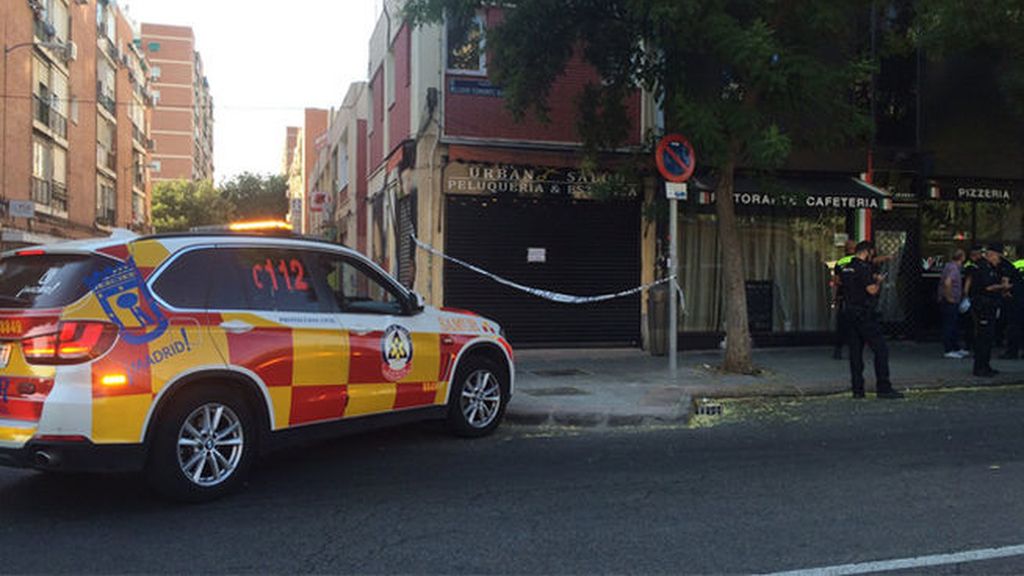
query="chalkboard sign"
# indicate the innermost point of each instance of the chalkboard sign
(759, 306)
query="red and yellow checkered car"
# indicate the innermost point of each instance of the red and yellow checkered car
(188, 355)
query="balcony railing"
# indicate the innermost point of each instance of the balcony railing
(106, 158)
(139, 135)
(105, 100)
(41, 109)
(106, 216)
(43, 112)
(59, 197)
(41, 190)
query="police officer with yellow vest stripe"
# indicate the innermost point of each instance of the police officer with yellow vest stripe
(1013, 307)
(837, 299)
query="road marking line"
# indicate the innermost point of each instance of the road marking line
(909, 563)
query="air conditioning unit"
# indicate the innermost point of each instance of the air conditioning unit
(154, 165)
(154, 74)
(155, 95)
(151, 145)
(72, 51)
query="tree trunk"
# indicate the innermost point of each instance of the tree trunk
(737, 348)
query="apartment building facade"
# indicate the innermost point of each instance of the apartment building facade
(337, 208)
(76, 117)
(448, 164)
(305, 143)
(183, 109)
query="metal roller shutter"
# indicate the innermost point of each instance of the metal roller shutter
(590, 248)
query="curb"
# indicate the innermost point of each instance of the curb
(589, 417)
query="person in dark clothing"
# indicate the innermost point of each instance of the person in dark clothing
(987, 289)
(837, 299)
(1013, 308)
(949, 296)
(967, 318)
(860, 288)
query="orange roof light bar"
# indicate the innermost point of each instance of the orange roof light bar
(257, 225)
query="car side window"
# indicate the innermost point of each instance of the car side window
(356, 289)
(275, 279)
(186, 283)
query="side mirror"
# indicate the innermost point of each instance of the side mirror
(416, 301)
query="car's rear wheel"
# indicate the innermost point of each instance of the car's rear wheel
(204, 445)
(478, 399)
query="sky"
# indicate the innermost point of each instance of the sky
(266, 60)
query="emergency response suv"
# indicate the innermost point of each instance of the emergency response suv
(187, 355)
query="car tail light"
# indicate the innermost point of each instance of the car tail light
(68, 342)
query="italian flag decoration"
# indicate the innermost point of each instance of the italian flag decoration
(863, 224)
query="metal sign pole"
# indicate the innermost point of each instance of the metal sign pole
(673, 271)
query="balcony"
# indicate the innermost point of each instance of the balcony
(106, 158)
(106, 216)
(41, 190)
(59, 197)
(139, 135)
(41, 109)
(105, 100)
(139, 177)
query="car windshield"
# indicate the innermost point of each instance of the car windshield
(45, 281)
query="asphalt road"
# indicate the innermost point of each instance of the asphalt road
(767, 486)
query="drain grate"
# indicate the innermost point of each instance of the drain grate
(560, 372)
(563, 391)
(707, 408)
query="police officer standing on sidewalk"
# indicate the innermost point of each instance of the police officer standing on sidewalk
(837, 299)
(987, 289)
(860, 286)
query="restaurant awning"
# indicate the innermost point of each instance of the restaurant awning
(841, 192)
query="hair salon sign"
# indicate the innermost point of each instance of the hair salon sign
(466, 178)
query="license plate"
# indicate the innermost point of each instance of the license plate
(5, 355)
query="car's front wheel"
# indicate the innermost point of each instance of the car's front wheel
(204, 445)
(479, 397)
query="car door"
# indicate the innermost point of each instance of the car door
(394, 353)
(278, 324)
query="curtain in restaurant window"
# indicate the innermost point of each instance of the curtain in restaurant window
(793, 253)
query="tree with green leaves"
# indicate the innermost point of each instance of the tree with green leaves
(179, 205)
(746, 80)
(954, 26)
(257, 197)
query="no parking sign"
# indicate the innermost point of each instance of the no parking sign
(675, 158)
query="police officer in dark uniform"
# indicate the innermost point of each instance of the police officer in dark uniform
(861, 285)
(837, 299)
(987, 289)
(1013, 309)
(970, 267)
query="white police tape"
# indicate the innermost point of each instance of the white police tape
(546, 294)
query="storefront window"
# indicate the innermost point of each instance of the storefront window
(945, 226)
(1000, 223)
(786, 256)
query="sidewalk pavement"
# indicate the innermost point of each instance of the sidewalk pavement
(629, 387)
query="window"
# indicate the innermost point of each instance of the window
(106, 153)
(153, 46)
(466, 44)
(181, 285)
(356, 289)
(42, 158)
(389, 80)
(106, 201)
(46, 281)
(269, 279)
(60, 20)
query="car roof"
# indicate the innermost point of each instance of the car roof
(180, 240)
